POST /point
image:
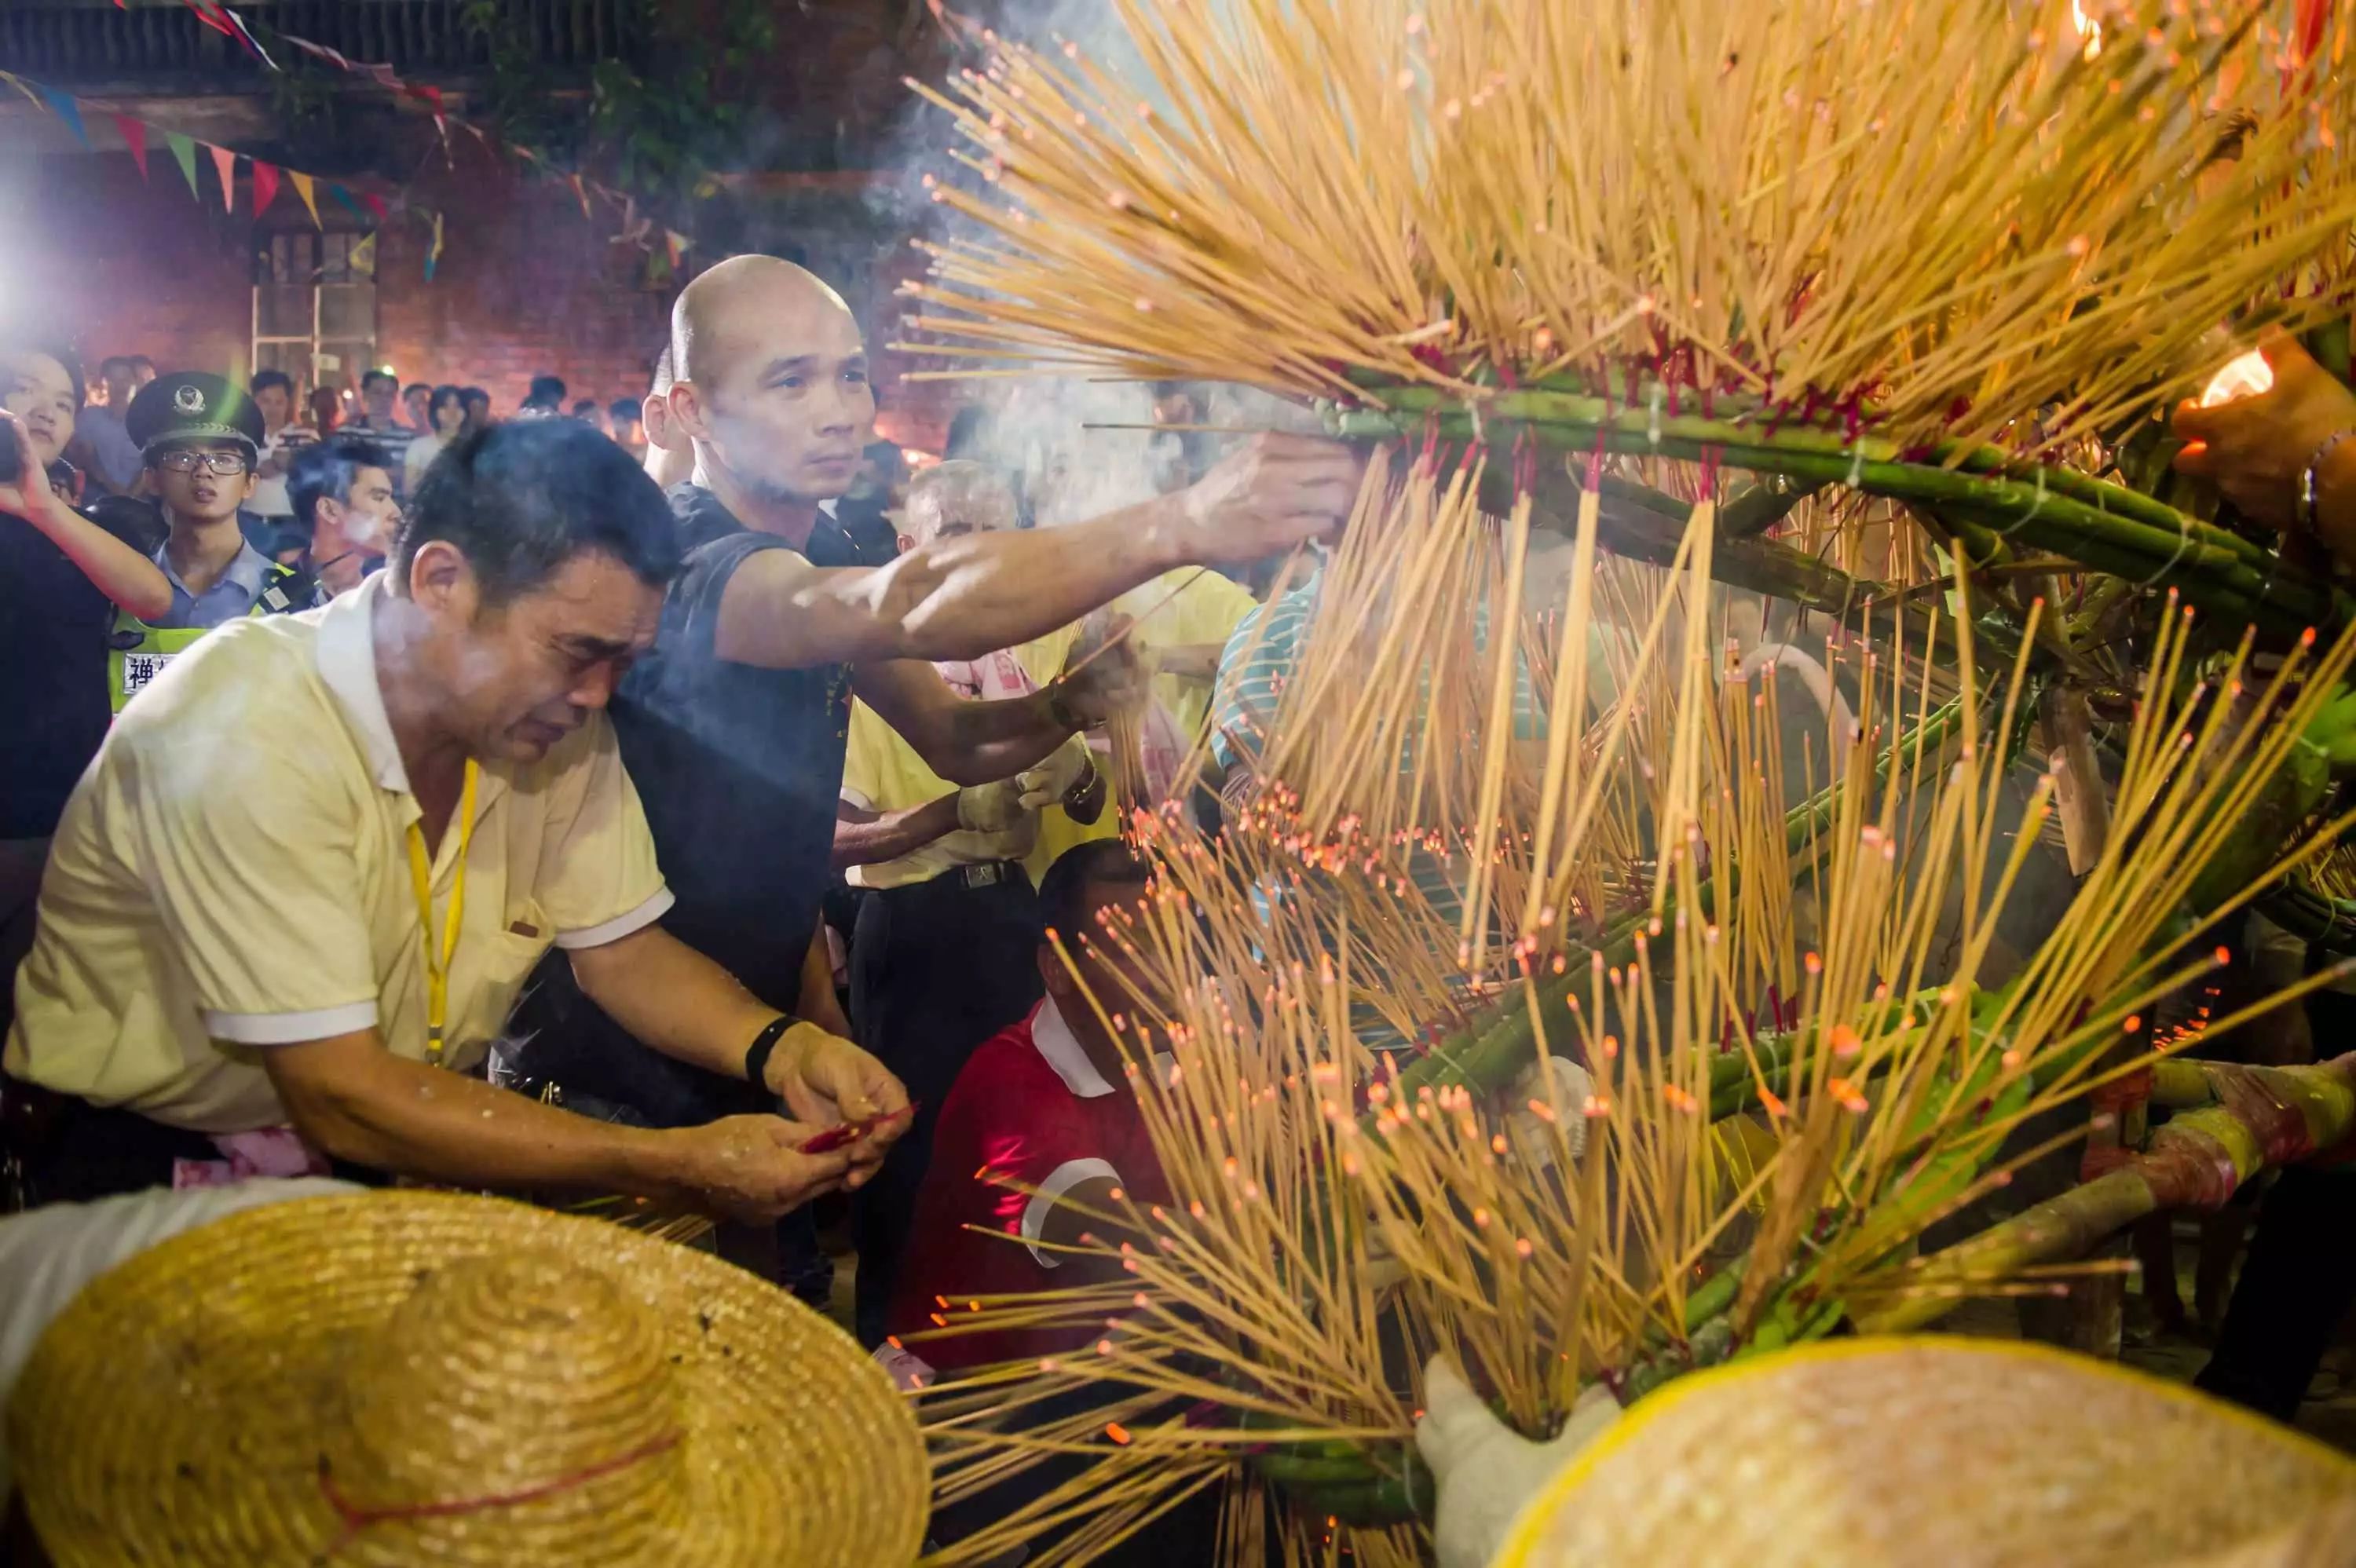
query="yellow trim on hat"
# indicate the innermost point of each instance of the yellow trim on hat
(1531, 1525)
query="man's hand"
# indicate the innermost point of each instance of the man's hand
(1273, 493)
(752, 1168)
(1057, 777)
(2257, 449)
(825, 1080)
(1105, 675)
(990, 807)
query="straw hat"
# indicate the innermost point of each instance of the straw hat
(429, 1378)
(1942, 1450)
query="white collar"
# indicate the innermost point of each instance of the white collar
(346, 655)
(1060, 1048)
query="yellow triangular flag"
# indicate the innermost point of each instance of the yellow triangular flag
(302, 183)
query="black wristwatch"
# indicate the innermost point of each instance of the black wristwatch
(757, 1056)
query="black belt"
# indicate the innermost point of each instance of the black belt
(982, 874)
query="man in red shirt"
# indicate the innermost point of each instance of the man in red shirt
(1042, 1126)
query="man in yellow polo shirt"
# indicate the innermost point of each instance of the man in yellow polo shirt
(290, 904)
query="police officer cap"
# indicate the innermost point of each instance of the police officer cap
(187, 407)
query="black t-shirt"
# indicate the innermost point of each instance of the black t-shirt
(54, 710)
(739, 768)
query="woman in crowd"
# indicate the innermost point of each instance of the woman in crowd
(446, 415)
(62, 578)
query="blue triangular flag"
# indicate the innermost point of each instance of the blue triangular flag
(67, 110)
(340, 194)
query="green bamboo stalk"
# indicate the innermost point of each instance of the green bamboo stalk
(1739, 422)
(2211, 567)
(2197, 1160)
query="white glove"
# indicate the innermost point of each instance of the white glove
(1055, 774)
(1571, 1087)
(990, 807)
(1487, 1472)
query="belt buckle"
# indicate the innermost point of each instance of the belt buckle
(984, 876)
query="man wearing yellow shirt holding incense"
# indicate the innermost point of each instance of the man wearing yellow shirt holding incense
(292, 902)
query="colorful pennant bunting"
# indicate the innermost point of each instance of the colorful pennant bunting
(226, 162)
(265, 186)
(135, 136)
(305, 188)
(67, 110)
(184, 153)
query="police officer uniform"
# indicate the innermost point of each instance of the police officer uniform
(174, 410)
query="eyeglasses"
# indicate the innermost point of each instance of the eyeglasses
(186, 462)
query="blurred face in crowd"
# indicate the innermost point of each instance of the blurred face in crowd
(143, 370)
(522, 674)
(449, 416)
(415, 400)
(951, 507)
(778, 394)
(119, 380)
(277, 407)
(346, 535)
(379, 393)
(478, 409)
(327, 408)
(191, 482)
(37, 391)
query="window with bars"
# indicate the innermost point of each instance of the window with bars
(315, 307)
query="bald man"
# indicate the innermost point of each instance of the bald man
(733, 727)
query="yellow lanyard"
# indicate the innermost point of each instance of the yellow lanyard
(438, 951)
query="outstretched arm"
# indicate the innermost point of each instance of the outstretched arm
(129, 579)
(964, 596)
(965, 741)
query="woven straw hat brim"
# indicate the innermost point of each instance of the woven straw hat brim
(178, 1412)
(1932, 1449)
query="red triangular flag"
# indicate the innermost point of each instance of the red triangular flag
(135, 136)
(265, 186)
(375, 203)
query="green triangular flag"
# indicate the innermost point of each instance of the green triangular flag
(184, 153)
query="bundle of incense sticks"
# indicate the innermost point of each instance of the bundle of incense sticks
(1942, 220)
(1566, 829)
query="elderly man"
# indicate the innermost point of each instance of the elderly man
(295, 897)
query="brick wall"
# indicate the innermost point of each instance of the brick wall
(525, 286)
